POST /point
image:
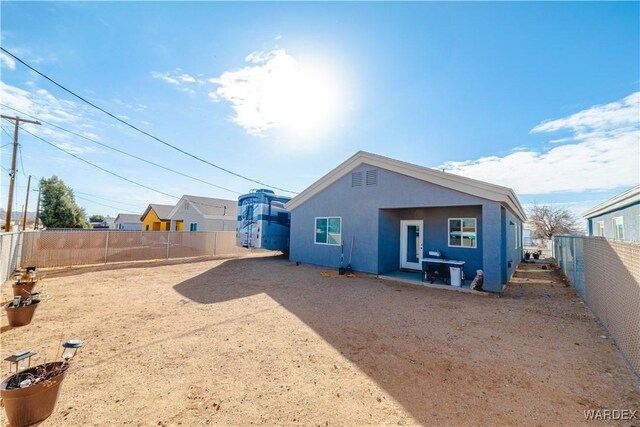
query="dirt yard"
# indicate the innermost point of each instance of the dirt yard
(259, 340)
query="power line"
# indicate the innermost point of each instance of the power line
(140, 130)
(21, 164)
(103, 204)
(120, 151)
(105, 198)
(100, 167)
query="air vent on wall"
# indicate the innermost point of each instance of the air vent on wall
(372, 177)
(356, 179)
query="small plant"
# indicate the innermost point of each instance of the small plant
(30, 393)
(527, 255)
(41, 374)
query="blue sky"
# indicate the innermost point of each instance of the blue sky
(540, 97)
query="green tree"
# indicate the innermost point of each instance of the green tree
(96, 218)
(59, 208)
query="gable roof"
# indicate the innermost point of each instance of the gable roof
(128, 218)
(208, 206)
(162, 211)
(620, 201)
(481, 189)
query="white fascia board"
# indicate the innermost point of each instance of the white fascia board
(620, 201)
(179, 205)
(465, 185)
(176, 208)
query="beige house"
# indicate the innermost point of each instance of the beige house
(195, 213)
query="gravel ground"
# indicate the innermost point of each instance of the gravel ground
(258, 340)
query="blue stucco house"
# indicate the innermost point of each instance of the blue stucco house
(617, 218)
(395, 212)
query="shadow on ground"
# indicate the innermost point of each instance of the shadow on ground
(435, 352)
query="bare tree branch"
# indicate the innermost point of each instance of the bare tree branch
(550, 220)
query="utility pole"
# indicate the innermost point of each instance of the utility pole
(12, 174)
(26, 205)
(35, 223)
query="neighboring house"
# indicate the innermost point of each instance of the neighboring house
(527, 235)
(395, 212)
(109, 220)
(194, 213)
(617, 218)
(128, 222)
(156, 218)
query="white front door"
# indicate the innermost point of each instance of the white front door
(411, 244)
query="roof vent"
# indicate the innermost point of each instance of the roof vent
(372, 177)
(356, 179)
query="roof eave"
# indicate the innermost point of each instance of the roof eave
(488, 191)
(620, 201)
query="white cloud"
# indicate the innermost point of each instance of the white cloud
(603, 153)
(77, 149)
(276, 91)
(7, 61)
(177, 78)
(166, 77)
(600, 117)
(39, 103)
(133, 107)
(43, 105)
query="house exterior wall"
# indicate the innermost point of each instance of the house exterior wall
(190, 216)
(128, 226)
(370, 213)
(630, 220)
(435, 235)
(514, 248)
(154, 223)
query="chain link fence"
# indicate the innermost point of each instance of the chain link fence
(63, 248)
(10, 250)
(606, 274)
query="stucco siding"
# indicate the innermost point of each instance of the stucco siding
(435, 235)
(630, 220)
(492, 246)
(513, 250)
(372, 215)
(129, 226)
(204, 224)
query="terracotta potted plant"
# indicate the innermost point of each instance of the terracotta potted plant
(25, 282)
(20, 311)
(31, 393)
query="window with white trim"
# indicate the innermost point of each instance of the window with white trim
(328, 231)
(600, 228)
(463, 232)
(618, 228)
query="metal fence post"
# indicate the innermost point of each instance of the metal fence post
(215, 242)
(575, 260)
(106, 248)
(168, 242)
